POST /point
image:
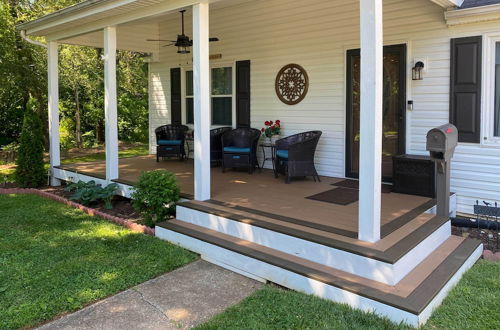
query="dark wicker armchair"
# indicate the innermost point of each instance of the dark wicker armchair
(170, 141)
(216, 144)
(239, 148)
(295, 155)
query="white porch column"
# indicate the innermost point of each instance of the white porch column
(110, 103)
(370, 160)
(201, 82)
(53, 96)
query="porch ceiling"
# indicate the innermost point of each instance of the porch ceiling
(77, 24)
(93, 15)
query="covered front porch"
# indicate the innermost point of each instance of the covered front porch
(261, 193)
(353, 243)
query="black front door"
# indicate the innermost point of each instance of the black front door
(394, 109)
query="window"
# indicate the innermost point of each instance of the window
(221, 96)
(491, 91)
(496, 107)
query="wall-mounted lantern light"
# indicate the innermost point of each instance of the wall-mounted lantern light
(417, 71)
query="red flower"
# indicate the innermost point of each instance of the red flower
(262, 129)
(271, 122)
(278, 121)
(267, 123)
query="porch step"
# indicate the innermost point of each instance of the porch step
(411, 300)
(386, 261)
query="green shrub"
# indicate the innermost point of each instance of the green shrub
(30, 172)
(90, 192)
(67, 138)
(155, 196)
(13, 146)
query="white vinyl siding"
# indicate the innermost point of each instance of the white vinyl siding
(316, 34)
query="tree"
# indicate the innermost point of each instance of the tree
(23, 72)
(30, 171)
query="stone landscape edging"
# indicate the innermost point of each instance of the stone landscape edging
(90, 211)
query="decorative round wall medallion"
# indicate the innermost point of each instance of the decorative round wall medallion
(291, 84)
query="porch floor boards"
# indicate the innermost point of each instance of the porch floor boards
(307, 231)
(262, 192)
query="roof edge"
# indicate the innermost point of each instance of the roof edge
(472, 15)
(61, 12)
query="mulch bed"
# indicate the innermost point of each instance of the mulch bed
(479, 234)
(122, 207)
(122, 213)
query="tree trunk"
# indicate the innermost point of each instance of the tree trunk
(100, 132)
(78, 126)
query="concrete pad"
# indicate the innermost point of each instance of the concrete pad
(180, 299)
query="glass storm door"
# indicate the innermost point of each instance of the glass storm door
(394, 109)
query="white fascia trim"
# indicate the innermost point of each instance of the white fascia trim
(472, 15)
(448, 3)
(148, 11)
(70, 14)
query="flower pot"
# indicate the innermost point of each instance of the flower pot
(274, 138)
(267, 140)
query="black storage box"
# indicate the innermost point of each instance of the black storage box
(414, 175)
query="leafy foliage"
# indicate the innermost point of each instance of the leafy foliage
(23, 68)
(30, 170)
(155, 196)
(90, 192)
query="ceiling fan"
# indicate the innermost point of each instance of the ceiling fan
(183, 42)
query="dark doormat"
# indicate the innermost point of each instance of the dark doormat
(354, 184)
(340, 195)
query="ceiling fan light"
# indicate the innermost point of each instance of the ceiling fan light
(183, 50)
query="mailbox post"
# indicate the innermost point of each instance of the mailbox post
(441, 143)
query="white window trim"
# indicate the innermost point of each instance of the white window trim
(232, 65)
(488, 91)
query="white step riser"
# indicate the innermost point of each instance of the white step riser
(291, 280)
(331, 257)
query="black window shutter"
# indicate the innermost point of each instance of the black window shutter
(465, 87)
(243, 94)
(175, 96)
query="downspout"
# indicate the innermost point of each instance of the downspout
(31, 41)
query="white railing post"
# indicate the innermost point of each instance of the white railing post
(370, 160)
(53, 96)
(201, 82)
(110, 103)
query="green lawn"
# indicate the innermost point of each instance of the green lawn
(55, 259)
(473, 304)
(134, 151)
(7, 172)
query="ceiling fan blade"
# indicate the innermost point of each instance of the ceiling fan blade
(214, 39)
(168, 45)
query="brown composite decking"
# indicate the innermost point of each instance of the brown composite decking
(412, 294)
(263, 194)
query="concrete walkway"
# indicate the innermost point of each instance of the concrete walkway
(180, 299)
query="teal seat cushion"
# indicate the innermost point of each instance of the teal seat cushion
(237, 150)
(169, 142)
(282, 153)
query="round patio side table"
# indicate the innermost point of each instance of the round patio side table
(264, 146)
